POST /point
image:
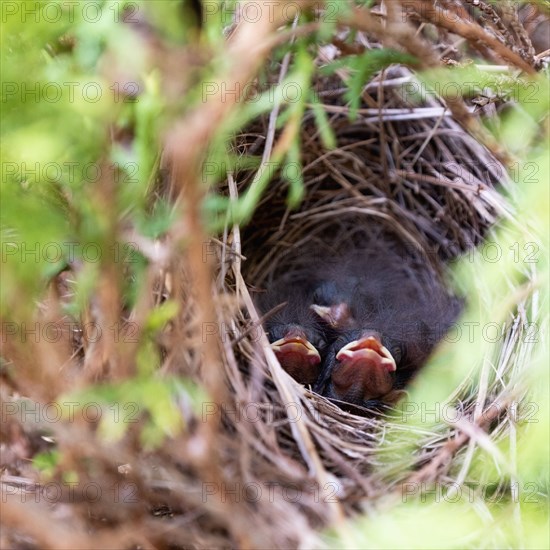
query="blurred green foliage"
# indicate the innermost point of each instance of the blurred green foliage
(67, 88)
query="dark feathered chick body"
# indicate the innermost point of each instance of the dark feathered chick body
(297, 335)
(388, 311)
(373, 314)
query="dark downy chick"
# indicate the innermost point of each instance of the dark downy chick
(388, 311)
(297, 334)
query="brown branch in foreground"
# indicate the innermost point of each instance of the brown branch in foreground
(442, 18)
(186, 148)
(403, 35)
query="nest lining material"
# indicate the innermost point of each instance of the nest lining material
(425, 179)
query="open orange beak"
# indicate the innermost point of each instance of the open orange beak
(368, 350)
(298, 357)
(363, 370)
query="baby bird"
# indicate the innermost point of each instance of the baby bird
(358, 325)
(388, 311)
(297, 334)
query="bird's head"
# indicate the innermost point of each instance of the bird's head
(363, 368)
(294, 347)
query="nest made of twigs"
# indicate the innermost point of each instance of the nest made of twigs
(405, 169)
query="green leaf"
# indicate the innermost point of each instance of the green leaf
(161, 315)
(46, 462)
(364, 67)
(292, 172)
(327, 134)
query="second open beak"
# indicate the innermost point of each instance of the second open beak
(298, 357)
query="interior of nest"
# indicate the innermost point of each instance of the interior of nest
(400, 172)
(398, 175)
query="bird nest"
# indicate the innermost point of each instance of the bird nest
(401, 167)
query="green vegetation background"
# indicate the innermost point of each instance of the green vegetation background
(59, 108)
